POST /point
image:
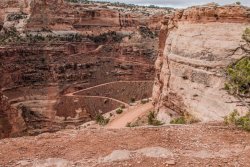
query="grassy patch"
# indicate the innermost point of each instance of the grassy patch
(234, 118)
(152, 120)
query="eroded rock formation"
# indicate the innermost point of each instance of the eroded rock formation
(11, 120)
(196, 46)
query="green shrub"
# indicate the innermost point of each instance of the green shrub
(237, 120)
(119, 111)
(246, 35)
(101, 120)
(152, 120)
(238, 78)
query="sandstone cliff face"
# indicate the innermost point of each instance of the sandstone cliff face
(196, 45)
(11, 121)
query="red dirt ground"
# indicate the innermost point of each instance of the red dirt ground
(190, 145)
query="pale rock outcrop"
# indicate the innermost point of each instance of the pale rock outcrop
(196, 45)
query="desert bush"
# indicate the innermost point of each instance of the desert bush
(185, 119)
(238, 3)
(119, 111)
(131, 125)
(152, 120)
(101, 120)
(132, 100)
(234, 118)
(238, 77)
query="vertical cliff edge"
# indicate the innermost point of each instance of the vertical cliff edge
(196, 46)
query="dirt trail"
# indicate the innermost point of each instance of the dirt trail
(101, 97)
(131, 115)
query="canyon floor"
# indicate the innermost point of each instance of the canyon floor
(211, 144)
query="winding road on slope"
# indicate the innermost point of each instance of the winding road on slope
(132, 113)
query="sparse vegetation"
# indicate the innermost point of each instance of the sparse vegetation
(237, 120)
(101, 120)
(152, 120)
(146, 32)
(107, 37)
(9, 35)
(74, 1)
(185, 119)
(16, 16)
(119, 111)
(238, 77)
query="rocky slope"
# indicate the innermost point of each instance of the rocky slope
(196, 46)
